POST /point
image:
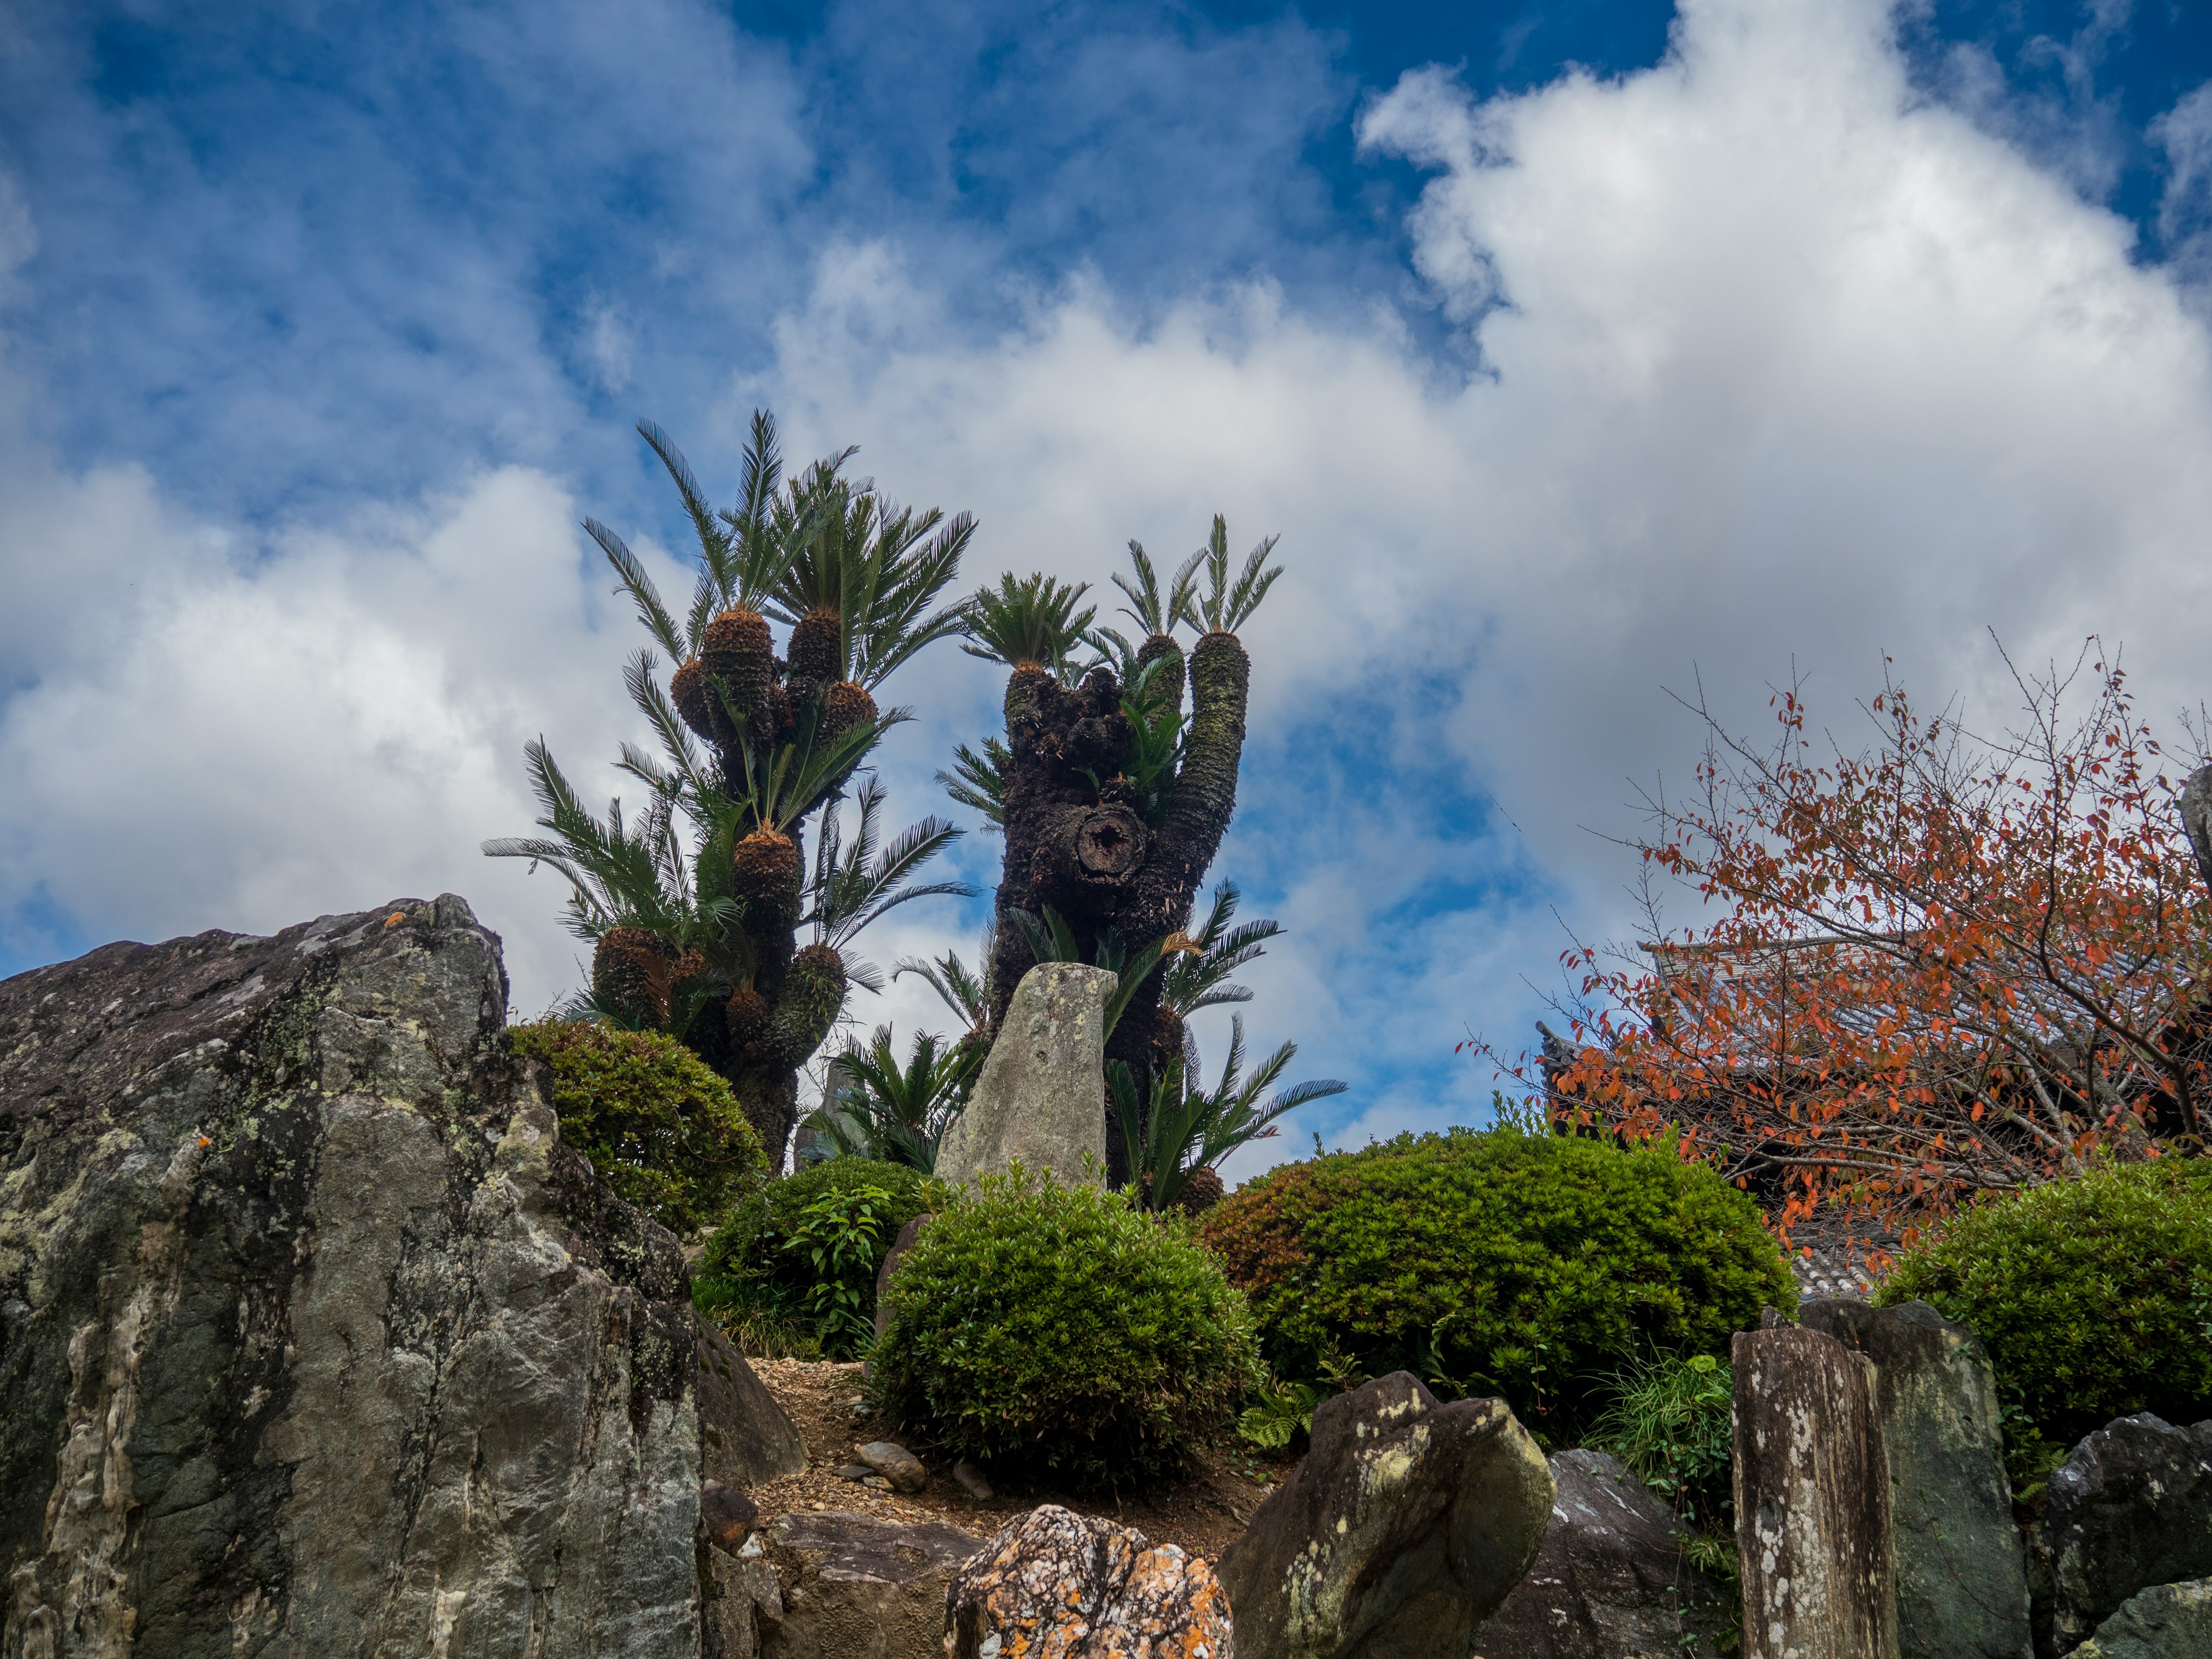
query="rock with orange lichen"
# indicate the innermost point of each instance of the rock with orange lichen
(1057, 1585)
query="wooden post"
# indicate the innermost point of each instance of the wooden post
(1812, 1500)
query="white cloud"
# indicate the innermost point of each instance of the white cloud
(1777, 362)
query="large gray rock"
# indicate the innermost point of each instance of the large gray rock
(746, 1439)
(2167, 1621)
(851, 1587)
(1961, 1570)
(2130, 1507)
(1054, 1583)
(1611, 1580)
(1401, 1534)
(1041, 1100)
(1812, 1500)
(315, 1339)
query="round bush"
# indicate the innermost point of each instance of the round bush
(661, 1129)
(754, 1264)
(1060, 1329)
(2093, 1296)
(1532, 1267)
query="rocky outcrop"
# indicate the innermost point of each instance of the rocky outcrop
(851, 1587)
(1611, 1580)
(1812, 1500)
(1053, 1583)
(1961, 1574)
(2168, 1621)
(2130, 1509)
(317, 1340)
(1402, 1534)
(1041, 1100)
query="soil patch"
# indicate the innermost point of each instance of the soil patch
(1201, 1512)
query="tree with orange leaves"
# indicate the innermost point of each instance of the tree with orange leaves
(1944, 963)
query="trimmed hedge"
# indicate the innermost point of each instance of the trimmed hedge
(1532, 1267)
(750, 1266)
(1060, 1329)
(662, 1130)
(2094, 1298)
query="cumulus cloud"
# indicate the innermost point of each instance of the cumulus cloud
(1763, 359)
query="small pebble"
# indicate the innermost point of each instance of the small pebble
(971, 1480)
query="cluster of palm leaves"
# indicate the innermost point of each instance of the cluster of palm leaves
(695, 900)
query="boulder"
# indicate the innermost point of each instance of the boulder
(1053, 1583)
(1961, 1571)
(2167, 1621)
(1611, 1580)
(852, 1587)
(1041, 1100)
(1400, 1535)
(895, 1464)
(747, 1438)
(2130, 1508)
(1812, 1500)
(315, 1338)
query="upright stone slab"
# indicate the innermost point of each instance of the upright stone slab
(1041, 1101)
(1399, 1537)
(1961, 1571)
(1812, 1500)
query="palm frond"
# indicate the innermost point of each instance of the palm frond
(979, 781)
(1028, 621)
(1228, 603)
(639, 585)
(958, 986)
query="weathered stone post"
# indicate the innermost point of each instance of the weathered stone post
(1041, 1100)
(1961, 1571)
(1812, 1500)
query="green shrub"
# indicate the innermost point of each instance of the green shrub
(1532, 1267)
(1060, 1329)
(2094, 1298)
(796, 1264)
(661, 1129)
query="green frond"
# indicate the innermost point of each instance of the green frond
(714, 539)
(1028, 621)
(639, 585)
(979, 781)
(957, 985)
(1228, 603)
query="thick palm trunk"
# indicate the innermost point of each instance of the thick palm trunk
(1074, 842)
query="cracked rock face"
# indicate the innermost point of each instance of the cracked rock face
(1399, 1537)
(2130, 1509)
(1611, 1580)
(315, 1340)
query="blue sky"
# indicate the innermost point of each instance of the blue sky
(1573, 350)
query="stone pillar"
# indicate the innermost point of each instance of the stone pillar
(1041, 1098)
(1812, 1500)
(1961, 1571)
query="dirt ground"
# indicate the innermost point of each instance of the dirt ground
(1201, 1513)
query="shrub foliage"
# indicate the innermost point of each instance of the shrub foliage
(1060, 1329)
(2094, 1298)
(662, 1130)
(1532, 1267)
(801, 1253)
